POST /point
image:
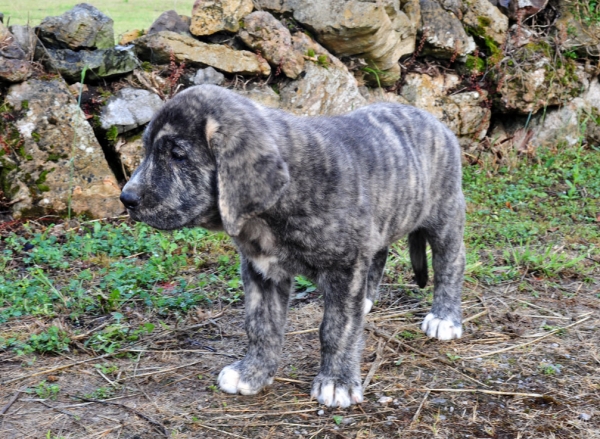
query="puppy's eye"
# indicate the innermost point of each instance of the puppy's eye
(178, 154)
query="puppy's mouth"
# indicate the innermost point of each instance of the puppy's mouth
(165, 221)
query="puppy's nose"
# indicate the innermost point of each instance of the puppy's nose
(130, 199)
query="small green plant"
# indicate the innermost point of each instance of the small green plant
(337, 419)
(107, 369)
(408, 335)
(373, 72)
(452, 357)
(45, 391)
(305, 284)
(558, 329)
(112, 133)
(323, 61)
(52, 340)
(104, 392)
(550, 369)
(294, 371)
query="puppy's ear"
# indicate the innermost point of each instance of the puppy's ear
(251, 174)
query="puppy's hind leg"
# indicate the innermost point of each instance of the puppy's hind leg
(444, 322)
(266, 304)
(374, 277)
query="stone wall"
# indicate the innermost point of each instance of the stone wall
(523, 75)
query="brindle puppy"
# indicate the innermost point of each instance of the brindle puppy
(321, 196)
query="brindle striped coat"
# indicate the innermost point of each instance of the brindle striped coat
(323, 197)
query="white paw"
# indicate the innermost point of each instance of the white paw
(230, 382)
(368, 306)
(442, 329)
(337, 396)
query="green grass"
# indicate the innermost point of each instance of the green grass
(127, 14)
(106, 267)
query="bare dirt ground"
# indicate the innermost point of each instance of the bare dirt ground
(526, 368)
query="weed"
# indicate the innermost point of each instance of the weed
(452, 357)
(408, 335)
(107, 369)
(45, 391)
(373, 72)
(104, 392)
(550, 369)
(337, 419)
(53, 340)
(112, 133)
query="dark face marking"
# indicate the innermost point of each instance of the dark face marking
(176, 181)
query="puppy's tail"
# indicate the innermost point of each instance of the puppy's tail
(418, 255)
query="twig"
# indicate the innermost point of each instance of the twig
(54, 369)
(423, 354)
(169, 369)
(157, 424)
(180, 351)
(14, 399)
(97, 328)
(220, 431)
(488, 392)
(260, 415)
(510, 348)
(376, 364)
(418, 412)
(288, 380)
(540, 307)
(475, 316)
(305, 331)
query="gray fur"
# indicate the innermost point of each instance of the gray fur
(323, 197)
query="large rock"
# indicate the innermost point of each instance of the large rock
(567, 125)
(263, 94)
(25, 37)
(14, 66)
(520, 10)
(157, 48)
(211, 16)
(83, 27)
(580, 35)
(9, 47)
(208, 76)
(380, 32)
(130, 153)
(273, 40)
(170, 20)
(14, 70)
(378, 94)
(275, 6)
(443, 32)
(42, 176)
(105, 63)
(129, 109)
(534, 82)
(486, 21)
(464, 113)
(322, 90)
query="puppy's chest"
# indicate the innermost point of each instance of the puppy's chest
(277, 251)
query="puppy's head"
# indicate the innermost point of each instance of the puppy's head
(209, 161)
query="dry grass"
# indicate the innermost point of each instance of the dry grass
(516, 374)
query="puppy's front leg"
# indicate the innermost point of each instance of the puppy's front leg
(338, 382)
(266, 303)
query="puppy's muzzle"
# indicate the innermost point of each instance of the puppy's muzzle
(130, 199)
